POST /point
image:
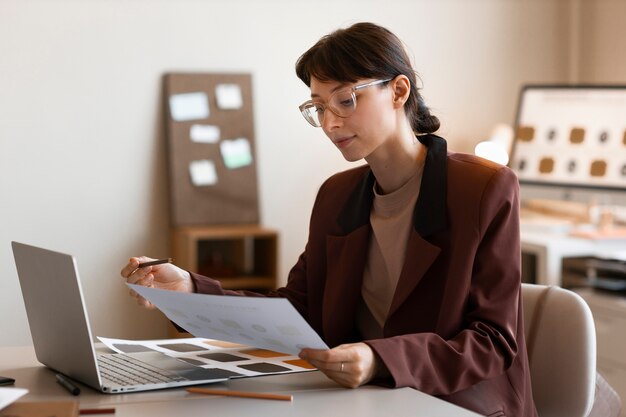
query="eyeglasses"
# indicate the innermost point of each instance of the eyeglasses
(342, 103)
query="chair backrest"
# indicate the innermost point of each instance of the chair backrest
(561, 342)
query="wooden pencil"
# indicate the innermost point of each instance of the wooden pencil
(242, 394)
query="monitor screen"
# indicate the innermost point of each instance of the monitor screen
(571, 136)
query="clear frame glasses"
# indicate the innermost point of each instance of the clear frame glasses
(342, 103)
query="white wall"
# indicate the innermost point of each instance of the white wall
(603, 42)
(82, 156)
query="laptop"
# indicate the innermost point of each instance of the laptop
(62, 337)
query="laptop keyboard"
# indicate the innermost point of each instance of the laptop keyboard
(126, 370)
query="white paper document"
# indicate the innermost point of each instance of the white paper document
(10, 395)
(204, 133)
(236, 153)
(203, 172)
(228, 96)
(189, 106)
(268, 323)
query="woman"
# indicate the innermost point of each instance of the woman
(412, 268)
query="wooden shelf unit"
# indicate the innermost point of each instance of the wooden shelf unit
(242, 257)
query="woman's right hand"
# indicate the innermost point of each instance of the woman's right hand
(163, 276)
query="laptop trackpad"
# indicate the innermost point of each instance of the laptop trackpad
(180, 367)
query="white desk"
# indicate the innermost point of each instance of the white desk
(313, 395)
(551, 247)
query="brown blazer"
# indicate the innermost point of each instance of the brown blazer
(455, 326)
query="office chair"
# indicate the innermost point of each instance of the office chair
(561, 342)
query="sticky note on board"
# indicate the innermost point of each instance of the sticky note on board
(203, 173)
(204, 133)
(236, 153)
(189, 106)
(228, 96)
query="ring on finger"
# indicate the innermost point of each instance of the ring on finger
(341, 369)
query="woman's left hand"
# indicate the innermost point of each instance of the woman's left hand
(350, 365)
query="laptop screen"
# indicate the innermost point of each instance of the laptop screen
(56, 312)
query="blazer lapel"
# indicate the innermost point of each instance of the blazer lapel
(431, 208)
(344, 278)
(429, 217)
(420, 254)
(344, 263)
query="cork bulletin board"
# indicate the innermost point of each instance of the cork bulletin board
(211, 149)
(571, 136)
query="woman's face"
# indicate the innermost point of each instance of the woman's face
(368, 128)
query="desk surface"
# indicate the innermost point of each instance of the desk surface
(313, 395)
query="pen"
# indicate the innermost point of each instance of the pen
(241, 394)
(67, 384)
(157, 262)
(5, 380)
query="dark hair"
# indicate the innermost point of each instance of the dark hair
(366, 50)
